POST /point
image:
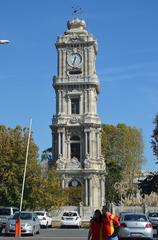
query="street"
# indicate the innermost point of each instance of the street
(55, 234)
(58, 234)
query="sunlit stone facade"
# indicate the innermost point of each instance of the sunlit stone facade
(76, 126)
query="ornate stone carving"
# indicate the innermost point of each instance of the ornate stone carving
(102, 161)
(87, 163)
(74, 163)
(74, 120)
(60, 162)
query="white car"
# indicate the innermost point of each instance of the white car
(44, 218)
(70, 218)
(29, 223)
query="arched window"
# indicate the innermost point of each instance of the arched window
(74, 183)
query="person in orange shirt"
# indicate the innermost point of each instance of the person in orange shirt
(110, 224)
(95, 228)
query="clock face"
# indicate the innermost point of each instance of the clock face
(74, 183)
(74, 59)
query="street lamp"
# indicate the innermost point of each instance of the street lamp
(4, 41)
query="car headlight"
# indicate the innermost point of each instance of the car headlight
(28, 225)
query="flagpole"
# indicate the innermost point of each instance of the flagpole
(27, 151)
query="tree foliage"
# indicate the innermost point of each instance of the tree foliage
(154, 138)
(150, 183)
(42, 188)
(13, 144)
(74, 196)
(122, 148)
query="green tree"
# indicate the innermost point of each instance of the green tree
(73, 195)
(154, 138)
(122, 148)
(47, 156)
(150, 183)
(13, 143)
(44, 190)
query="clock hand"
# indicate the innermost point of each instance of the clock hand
(74, 60)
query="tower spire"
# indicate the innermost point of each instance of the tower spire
(77, 11)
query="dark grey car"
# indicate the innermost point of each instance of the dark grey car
(153, 217)
(5, 214)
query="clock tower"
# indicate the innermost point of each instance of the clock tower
(76, 126)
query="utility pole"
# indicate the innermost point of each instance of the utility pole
(4, 41)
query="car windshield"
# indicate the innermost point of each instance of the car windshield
(153, 214)
(69, 214)
(4, 211)
(135, 217)
(23, 216)
(40, 213)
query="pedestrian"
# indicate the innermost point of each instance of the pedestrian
(110, 224)
(95, 228)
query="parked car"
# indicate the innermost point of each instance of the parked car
(29, 223)
(70, 218)
(5, 214)
(135, 225)
(153, 218)
(121, 214)
(45, 218)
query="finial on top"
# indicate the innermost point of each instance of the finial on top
(77, 11)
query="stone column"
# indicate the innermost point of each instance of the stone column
(68, 149)
(86, 191)
(63, 143)
(59, 101)
(69, 105)
(81, 104)
(93, 101)
(62, 101)
(90, 193)
(85, 61)
(64, 105)
(59, 142)
(64, 61)
(85, 101)
(97, 144)
(87, 52)
(56, 102)
(90, 143)
(63, 183)
(86, 143)
(59, 62)
(90, 101)
(102, 191)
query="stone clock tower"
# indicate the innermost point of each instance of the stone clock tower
(76, 126)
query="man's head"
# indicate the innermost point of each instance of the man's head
(105, 208)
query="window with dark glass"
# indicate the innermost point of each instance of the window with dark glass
(74, 105)
(75, 147)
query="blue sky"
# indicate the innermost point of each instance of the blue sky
(127, 62)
